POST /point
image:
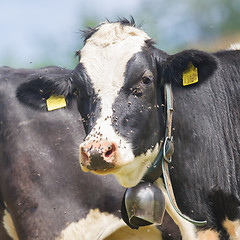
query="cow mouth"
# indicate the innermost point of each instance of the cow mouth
(105, 171)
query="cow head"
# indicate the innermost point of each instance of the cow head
(119, 88)
(119, 99)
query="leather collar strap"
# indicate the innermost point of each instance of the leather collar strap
(160, 165)
(155, 170)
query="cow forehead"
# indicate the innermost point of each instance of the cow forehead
(107, 52)
(112, 33)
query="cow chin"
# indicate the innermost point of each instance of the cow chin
(130, 175)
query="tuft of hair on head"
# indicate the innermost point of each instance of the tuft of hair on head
(130, 22)
(150, 42)
(125, 22)
(87, 33)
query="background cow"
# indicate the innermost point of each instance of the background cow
(43, 193)
(119, 83)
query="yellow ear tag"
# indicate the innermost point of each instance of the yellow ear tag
(190, 75)
(56, 102)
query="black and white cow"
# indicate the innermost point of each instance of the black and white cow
(119, 84)
(43, 195)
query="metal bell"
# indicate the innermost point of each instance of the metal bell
(145, 204)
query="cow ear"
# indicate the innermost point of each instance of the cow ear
(40, 87)
(188, 67)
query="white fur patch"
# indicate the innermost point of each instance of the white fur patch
(104, 131)
(187, 229)
(131, 174)
(235, 46)
(233, 228)
(105, 57)
(101, 225)
(208, 234)
(9, 226)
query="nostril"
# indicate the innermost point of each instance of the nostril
(82, 149)
(110, 151)
(85, 157)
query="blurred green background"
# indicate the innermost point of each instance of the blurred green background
(47, 32)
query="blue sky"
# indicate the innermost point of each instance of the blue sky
(33, 30)
(35, 33)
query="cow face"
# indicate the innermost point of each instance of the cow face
(119, 99)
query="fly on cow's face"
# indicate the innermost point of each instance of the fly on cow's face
(137, 92)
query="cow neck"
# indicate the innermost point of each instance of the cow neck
(164, 157)
(167, 148)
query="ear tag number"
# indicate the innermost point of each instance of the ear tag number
(190, 75)
(56, 102)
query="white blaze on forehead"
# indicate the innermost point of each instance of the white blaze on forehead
(105, 57)
(106, 53)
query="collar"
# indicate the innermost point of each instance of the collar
(167, 148)
(164, 157)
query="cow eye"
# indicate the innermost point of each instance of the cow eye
(146, 80)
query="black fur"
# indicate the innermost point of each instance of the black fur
(87, 99)
(138, 100)
(205, 168)
(125, 22)
(87, 33)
